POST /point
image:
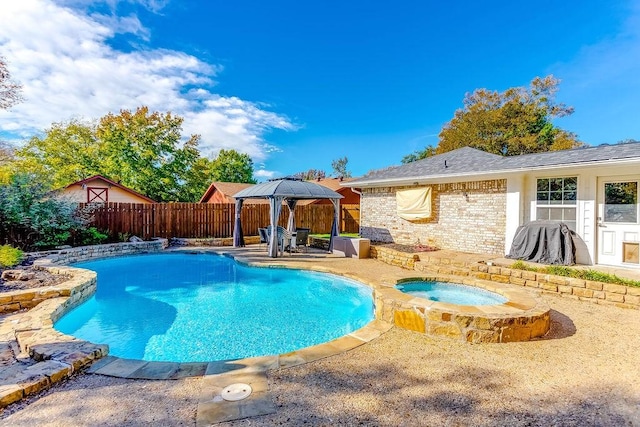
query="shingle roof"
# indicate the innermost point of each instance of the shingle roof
(227, 189)
(331, 183)
(468, 161)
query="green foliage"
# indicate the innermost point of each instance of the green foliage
(89, 236)
(520, 265)
(419, 155)
(231, 166)
(7, 155)
(339, 167)
(560, 270)
(142, 150)
(588, 274)
(10, 256)
(30, 218)
(68, 153)
(327, 235)
(516, 121)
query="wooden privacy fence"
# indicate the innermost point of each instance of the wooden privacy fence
(202, 220)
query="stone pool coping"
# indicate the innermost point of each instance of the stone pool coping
(140, 369)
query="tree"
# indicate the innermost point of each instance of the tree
(30, 218)
(231, 166)
(10, 91)
(142, 150)
(516, 121)
(419, 155)
(7, 155)
(339, 167)
(311, 174)
(67, 153)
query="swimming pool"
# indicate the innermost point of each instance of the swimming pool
(207, 307)
(454, 293)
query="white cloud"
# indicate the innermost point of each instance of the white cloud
(152, 5)
(67, 69)
(263, 174)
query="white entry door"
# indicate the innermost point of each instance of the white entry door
(618, 221)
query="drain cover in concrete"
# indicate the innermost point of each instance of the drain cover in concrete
(235, 392)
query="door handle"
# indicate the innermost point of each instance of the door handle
(601, 225)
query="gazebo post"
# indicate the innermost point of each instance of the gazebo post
(334, 225)
(275, 204)
(291, 223)
(238, 238)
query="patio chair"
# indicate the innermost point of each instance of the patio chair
(264, 235)
(284, 239)
(302, 238)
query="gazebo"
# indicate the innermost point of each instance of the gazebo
(277, 191)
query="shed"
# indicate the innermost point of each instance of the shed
(99, 189)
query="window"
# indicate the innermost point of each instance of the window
(97, 195)
(556, 200)
(621, 202)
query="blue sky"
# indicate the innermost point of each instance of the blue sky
(299, 84)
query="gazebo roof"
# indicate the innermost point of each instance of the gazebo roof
(287, 188)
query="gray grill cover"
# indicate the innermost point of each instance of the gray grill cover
(545, 242)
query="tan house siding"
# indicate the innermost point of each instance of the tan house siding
(78, 194)
(472, 223)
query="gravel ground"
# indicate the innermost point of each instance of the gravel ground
(585, 373)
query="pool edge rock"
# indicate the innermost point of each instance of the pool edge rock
(54, 356)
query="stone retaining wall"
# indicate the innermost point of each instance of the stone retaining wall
(584, 290)
(83, 253)
(580, 289)
(393, 257)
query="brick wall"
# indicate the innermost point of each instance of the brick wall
(472, 223)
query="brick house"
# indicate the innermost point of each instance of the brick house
(473, 201)
(99, 189)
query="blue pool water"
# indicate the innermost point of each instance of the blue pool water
(451, 292)
(206, 307)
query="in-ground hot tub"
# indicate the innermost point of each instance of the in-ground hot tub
(510, 314)
(454, 293)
